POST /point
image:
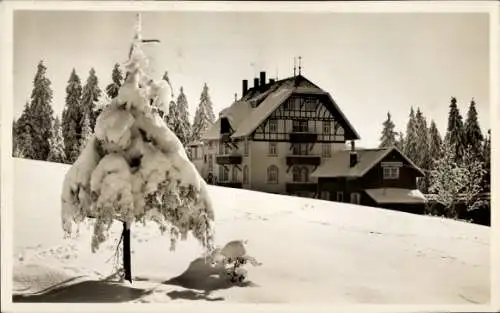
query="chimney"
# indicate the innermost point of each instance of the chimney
(272, 80)
(245, 87)
(262, 78)
(353, 158)
(256, 82)
(353, 155)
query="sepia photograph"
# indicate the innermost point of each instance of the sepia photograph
(248, 154)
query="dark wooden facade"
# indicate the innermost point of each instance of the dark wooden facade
(340, 189)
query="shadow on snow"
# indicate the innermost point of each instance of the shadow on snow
(86, 292)
(201, 279)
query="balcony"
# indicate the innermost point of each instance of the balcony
(231, 184)
(307, 159)
(303, 136)
(295, 187)
(229, 159)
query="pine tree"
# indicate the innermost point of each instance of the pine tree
(447, 180)
(400, 142)
(90, 97)
(22, 132)
(57, 151)
(435, 142)
(41, 113)
(86, 132)
(474, 178)
(423, 157)
(411, 140)
(473, 135)
(204, 116)
(117, 78)
(180, 119)
(388, 138)
(14, 137)
(455, 131)
(487, 162)
(72, 116)
(24, 148)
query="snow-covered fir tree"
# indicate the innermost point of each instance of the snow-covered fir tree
(400, 141)
(180, 119)
(388, 138)
(57, 151)
(41, 114)
(90, 97)
(204, 116)
(423, 159)
(448, 180)
(117, 80)
(72, 116)
(24, 142)
(473, 134)
(411, 140)
(135, 169)
(86, 132)
(435, 142)
(474, 178)
(455, 135)
(487, 162)
(14, 137)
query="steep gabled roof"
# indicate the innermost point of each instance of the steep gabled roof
(246, 114)
(338, 164)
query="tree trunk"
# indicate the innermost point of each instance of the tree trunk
(126, 253)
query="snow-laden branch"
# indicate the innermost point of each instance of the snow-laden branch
(134, 168)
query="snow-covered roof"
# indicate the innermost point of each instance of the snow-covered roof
(245, 118)
(338, 165)
(396, 195)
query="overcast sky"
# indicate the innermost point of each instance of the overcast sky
(370, 63)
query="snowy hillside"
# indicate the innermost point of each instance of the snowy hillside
(311, 250)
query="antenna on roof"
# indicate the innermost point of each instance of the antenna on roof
(294, 65)
(300, 65)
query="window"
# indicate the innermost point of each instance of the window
(227, 150)
(355, 197)
(304, 173)
(300, 126)
(326, 150)
(300, 149)
(225, 174)
(273, 148)
(211, 144)
(273, 126)
(234, 176)
(325, 195)
(300, 175)
(210, 163)
(326, 128)
(245, 174)
(272, 174)
(310, 104)
(391, 172)
(221, 147)
(221, 173)
(246, 146)
(340, 196)
(205, 158)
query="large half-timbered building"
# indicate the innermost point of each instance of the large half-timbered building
(274, 139)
